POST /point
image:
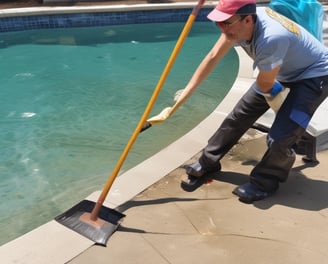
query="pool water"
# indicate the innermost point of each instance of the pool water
(71, 98)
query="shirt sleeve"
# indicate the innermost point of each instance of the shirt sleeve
(270, 53)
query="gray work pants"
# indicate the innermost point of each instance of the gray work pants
(290, 123)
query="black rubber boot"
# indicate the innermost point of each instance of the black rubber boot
(196, 169)
(249, 193)
(197, 176)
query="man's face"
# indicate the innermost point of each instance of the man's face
(232, 27)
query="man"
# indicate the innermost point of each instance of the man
(286, 55)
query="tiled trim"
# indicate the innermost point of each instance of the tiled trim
(91, 19)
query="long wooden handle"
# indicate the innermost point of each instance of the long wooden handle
(182, 37)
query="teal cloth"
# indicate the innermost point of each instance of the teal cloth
(307, 13)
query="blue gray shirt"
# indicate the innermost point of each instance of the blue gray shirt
(280, 41)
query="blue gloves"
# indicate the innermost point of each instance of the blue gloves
(276, 89)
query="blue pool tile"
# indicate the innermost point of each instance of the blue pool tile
(21, 23)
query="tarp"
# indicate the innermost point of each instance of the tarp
(307, 13)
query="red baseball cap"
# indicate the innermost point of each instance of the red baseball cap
(227, 8)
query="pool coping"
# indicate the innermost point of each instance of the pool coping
(46, 241)
(46, 10)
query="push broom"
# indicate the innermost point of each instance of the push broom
(93, 220)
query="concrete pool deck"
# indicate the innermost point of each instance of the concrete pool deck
(164, 224)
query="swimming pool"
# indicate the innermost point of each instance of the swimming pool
(67, 113)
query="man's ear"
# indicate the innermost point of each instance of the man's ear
(248, 19)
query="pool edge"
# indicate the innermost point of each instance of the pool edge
(47, 240)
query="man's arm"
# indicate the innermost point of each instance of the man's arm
(266, 80)
(219, 50)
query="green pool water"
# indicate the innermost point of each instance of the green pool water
(70, 100)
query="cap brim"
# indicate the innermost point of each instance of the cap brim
(218, 16)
